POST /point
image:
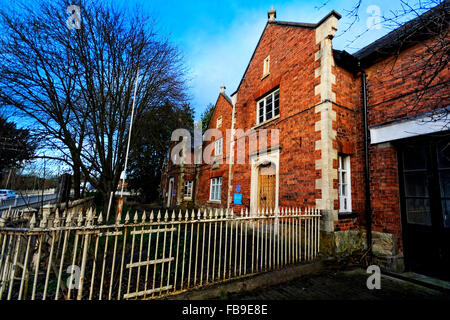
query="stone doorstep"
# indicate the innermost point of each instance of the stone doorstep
(425, 281)
(216, 291)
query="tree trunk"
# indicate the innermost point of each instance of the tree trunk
(76, 182)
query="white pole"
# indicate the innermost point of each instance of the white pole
(129, 133)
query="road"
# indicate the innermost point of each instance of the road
(28, 200)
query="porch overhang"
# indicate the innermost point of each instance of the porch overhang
(425, 123)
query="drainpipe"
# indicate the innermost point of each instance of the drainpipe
(368, 207)
(231, 158)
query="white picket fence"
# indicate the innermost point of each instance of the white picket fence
(78, 255)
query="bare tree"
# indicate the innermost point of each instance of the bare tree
(77, 84)
(423, 72)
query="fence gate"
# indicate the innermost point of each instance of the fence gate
(143, 259)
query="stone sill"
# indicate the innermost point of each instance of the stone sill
(265, 122)
(214, 202)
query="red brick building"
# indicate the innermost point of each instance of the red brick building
(213, 173)
(310, 126)
(178, 179)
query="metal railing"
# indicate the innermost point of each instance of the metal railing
(78, 255)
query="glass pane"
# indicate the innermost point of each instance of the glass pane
(276, 103)
(414, 158)
(217, 197)
(444, 155)
(269, 107)
(444, 179)
(261, 107)
(418, 211)
(446, 213)
(416, 185)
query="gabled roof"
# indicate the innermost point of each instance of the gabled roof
(285, 24)
(227, 98)
(420, 28)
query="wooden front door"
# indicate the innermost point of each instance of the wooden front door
(266, 187)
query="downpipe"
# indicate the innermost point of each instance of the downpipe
(368, 207)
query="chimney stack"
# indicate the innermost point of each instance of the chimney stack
(222, 88)
(272, 14)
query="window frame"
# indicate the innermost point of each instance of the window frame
(219, 142)
(189, 185)
(344, 167)
(215, 189)
(264, 100)
(266, 66)
(219, 122)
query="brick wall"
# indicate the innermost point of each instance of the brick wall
(292, 65)
(395, 91)
(223, 108)
(350, 141)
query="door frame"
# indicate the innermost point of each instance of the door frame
(255, 161)
(436, 229)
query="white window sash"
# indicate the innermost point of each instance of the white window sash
(215, 189)
(264, 100)
(188, 189)
(345, 194)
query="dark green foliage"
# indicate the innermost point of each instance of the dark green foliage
(206, 116)
(151, 141)
(16, 145)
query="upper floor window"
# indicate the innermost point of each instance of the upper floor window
(345, 194)
(188, 189)
(215, 190)
(268, 107)
(266, 67)
(218, 145)
(219, 122)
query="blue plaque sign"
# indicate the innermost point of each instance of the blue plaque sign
(237, 198)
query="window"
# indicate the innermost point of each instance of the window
(188, 189)
(218, 143)
(268, 107)
(219, 122)
(266, 67)
(345, 194)
(215, 189)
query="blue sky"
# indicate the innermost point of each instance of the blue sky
(217, 38)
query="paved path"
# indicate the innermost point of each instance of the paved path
(342, 285)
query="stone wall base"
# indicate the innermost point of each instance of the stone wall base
(384, 247)
(341, 243)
